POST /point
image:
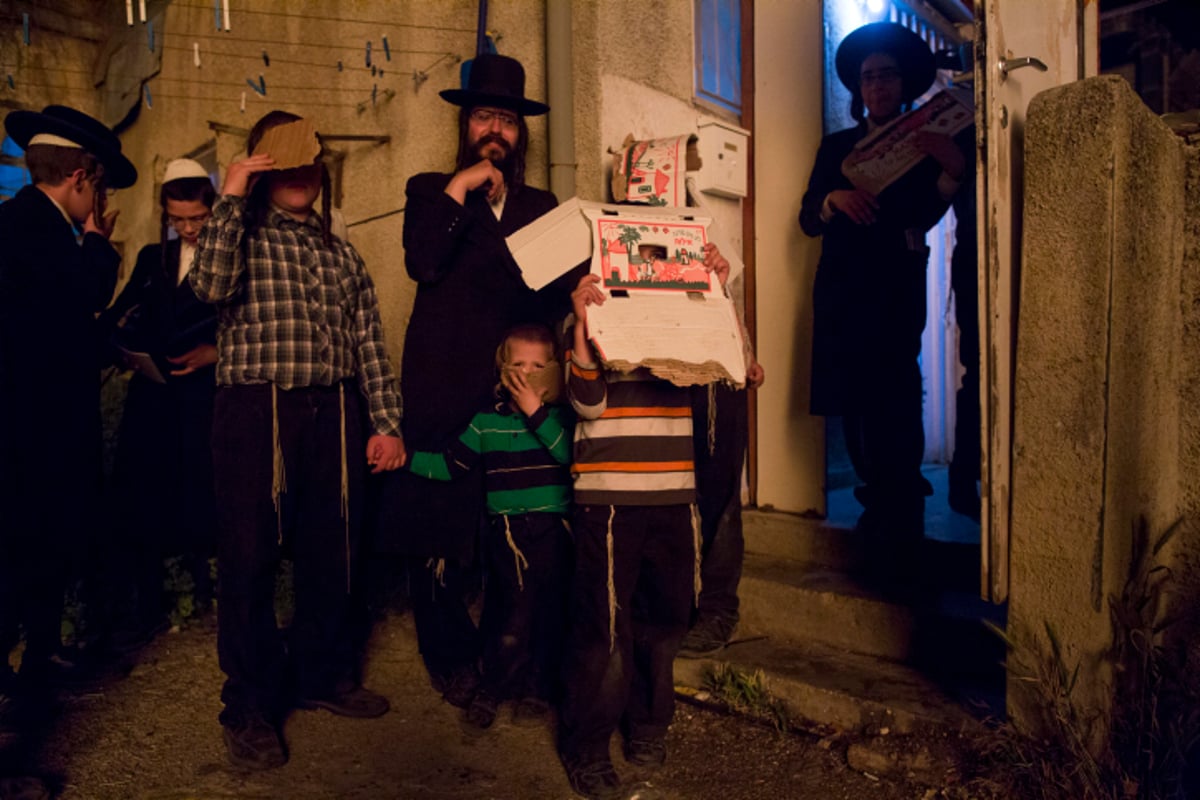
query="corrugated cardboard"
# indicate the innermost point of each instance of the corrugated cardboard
(292, 144)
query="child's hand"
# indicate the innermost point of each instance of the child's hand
(715, 262)
(104, 227)
(587, 293)
(528, 399)
(385, 453)
(194, 359)
(242, 175)
(755, 375)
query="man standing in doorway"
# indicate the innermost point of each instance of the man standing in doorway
(469, 292)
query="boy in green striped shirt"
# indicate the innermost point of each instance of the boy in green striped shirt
(524, 443)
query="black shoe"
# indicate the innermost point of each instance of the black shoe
(708, 636)
(593, 778)
(253, 743)
(352, 701)
(531, 712)
(460, 687)
(481, 713)
(646, 752)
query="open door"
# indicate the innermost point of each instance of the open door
(1021, 48)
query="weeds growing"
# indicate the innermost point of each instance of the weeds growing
(746, 693)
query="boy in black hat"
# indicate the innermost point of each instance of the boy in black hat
(469, 292)
(869, 293)
(57, 269)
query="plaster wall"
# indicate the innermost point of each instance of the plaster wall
(305, 41)
(1099, 423)
(787, 126)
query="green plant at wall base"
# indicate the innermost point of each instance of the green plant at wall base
(746, 693)
(1140, 752)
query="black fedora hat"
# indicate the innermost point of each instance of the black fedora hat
(90, 134)
(911, 52)
(498, 81)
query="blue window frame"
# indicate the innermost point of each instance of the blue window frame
(719, 53)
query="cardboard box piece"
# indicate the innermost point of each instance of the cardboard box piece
(653, 171)
(881, 158)
(292, 144)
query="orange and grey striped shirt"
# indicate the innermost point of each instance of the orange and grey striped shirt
(633, 439)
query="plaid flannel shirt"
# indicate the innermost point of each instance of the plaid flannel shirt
(292, 311)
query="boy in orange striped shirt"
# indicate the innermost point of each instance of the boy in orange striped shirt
(637, 556)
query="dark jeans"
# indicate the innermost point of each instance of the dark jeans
(322, 542)
(524, 618)
(629, 682)
(446, 634)
(720, 455)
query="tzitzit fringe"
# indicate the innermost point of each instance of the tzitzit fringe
(278, 475)
(518, 557)
(696, 583)
(438, 568)
(345, 477)
(712, 418)
(612, 586)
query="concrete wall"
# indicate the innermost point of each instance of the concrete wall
(788, 80)
(1102, 434)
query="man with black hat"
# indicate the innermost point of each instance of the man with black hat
(869, 293)
(57, 269)
(469, 292)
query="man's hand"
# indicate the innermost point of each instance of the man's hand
(385, 453)
(715, 262)
(857, 204)
(755, 375)
(105, 228)
(944, 151)
(528, 399)
(481, 174)
(242, 175)
(194, 359)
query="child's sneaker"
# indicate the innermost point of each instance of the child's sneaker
(646, 752)
(593, 778)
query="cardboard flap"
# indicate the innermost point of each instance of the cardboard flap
(293, 144)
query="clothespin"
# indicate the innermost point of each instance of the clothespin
(217, 14)
(225, 14)
(266, 59)
(196, 54)
(260, 87)
(129, 12)
(11, 85)
(25, 27)
(339, 65)
(373, 71)
(387, 51)
(149, 101)
(374, 92)
(142, 10)
(243, 106)
(150, 35)
(418, 77)
(368, 51)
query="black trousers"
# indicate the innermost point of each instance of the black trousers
(720, 455)
(629, 682)
(261, 673)
(439, 591)
(524, 605)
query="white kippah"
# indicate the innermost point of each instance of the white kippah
(50, 138)
(183, 168)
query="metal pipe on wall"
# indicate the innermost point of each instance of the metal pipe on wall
(560, 95)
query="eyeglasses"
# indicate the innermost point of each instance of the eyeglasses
(880, 76)
(484, 116)
(179, 222)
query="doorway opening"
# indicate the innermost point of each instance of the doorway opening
(940, 368)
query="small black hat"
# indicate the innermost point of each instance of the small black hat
(910, 51)
(90, 134)
(498, 81)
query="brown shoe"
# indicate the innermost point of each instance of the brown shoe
(355, 701)
(253, 743)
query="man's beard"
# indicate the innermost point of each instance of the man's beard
(505, 162)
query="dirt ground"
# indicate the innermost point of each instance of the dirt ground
(154, 736)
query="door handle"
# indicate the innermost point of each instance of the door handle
(1007, 65)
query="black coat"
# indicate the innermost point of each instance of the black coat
(163, 470)
(869, 293)
(469, 292)
(50, 288)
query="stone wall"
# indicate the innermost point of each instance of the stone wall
(1104, 430)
